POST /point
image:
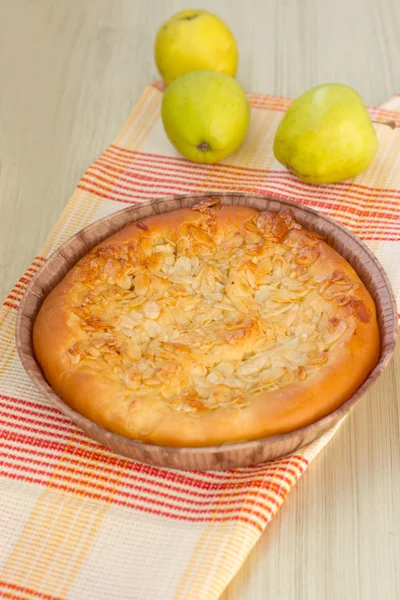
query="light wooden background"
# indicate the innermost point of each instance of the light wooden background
(70, 73)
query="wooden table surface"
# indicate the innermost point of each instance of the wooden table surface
(70, 73)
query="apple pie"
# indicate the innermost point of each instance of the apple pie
(208, 325)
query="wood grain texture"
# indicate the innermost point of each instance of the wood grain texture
(227, 456)
(70, 72)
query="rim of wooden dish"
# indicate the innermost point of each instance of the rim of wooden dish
(231, 455)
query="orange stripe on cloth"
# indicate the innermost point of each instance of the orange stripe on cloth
(19, 288)
(379, 228)
(141, 121)
(78, 213)
(8, 319)
(57, 536)
(207, 572)
(54, 543)
(76, 477)
(11, 590)
(41, 468)
(157, 178)
(183, 168)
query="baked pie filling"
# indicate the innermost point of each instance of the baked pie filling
(208, 310)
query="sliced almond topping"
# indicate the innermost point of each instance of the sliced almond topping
(360, 310)
(151, 310)
(306, 256)
(336, 329)
(206, 316)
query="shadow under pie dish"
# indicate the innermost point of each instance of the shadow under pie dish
(209, 326)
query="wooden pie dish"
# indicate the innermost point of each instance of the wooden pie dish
(225, 456)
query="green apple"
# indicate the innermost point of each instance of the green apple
(194, 40)
(205, 115)
(326, 135)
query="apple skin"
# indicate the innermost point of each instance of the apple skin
(205, 115)
(193, 40)
(326, 135)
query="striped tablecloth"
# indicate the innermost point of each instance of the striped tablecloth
(78, 522)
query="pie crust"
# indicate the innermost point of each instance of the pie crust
(208, 325)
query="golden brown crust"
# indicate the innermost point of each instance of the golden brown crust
(208, 325)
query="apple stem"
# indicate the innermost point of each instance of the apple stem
(391, 124)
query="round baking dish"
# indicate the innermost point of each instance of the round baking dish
(226, 456)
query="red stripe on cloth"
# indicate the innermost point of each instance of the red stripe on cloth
(258, 494)
(179, 160)
(33, 268)
(279, 98)
(250, 471)
(115, 190)
(40, 412)
(130, 178)
(33, 442)
(89, 449)
(107, 197)
(167, 186)
(165, 501)
(19, 288)
(38, 416)
(275, 108)
(358, 230)
(357, 192)
(39, 259)
(10, 304)
(152, 194)
(41, 407)
(264, 491)
(64, 446)
(386, 114)
(139, 507)
(15, 295)
(20, 419)
(10, 435)
(334, 205)
(359, 196)
(376, 238)
(6, 585)
(161, 158)
(183, 167)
